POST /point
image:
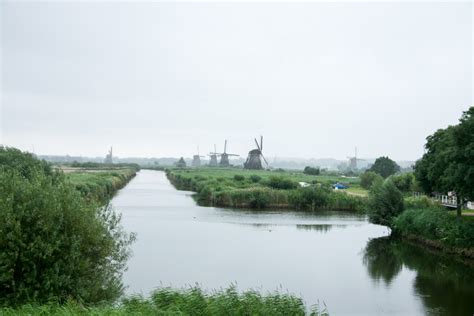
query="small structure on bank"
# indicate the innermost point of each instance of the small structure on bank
(109, 157)
(181, 163)
(254, 159)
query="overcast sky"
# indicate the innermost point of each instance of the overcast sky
(159, 79)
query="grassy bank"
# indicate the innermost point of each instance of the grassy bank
(266, 189)
(192, 301)
(100, 185)
(436, 228)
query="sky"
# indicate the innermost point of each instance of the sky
(159, 79)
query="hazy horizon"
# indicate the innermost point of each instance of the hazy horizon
(160, 79)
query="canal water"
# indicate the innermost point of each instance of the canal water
(337, 259)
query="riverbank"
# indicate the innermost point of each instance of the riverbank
(100, 185)
(437, 230)
(262, 189)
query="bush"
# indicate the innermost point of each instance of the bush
(420, 202)
(239, 177)
(311, 171)
(405, 182)
(254, 178)
(385, 202)
(309, 198)
(368, 178)
(54, 246)
(281, 183)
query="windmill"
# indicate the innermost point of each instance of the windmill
(253, 159)
(197, 159)
(213, 156)
(353, 161)
(225, 156)
(109, 157)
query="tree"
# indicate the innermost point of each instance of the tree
(385, 202)
(54, 246)
(448, 163)
(311, 171)
(405, 182)
(385, 167)
(368, 178)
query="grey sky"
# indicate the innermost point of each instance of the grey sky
(158, 79)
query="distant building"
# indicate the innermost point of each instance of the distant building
(109, 157)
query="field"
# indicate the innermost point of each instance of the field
(268, 189)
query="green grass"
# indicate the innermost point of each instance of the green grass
(358, 191)
(436, 225)
(265, 189)
(101, 185)
(191, 301)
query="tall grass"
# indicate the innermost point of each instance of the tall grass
(437, 225)
(191, 301)
(100, 186)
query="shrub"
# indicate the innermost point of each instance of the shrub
(255, 178)
(368, 178)
(281, 183)
(420, 202)
(385, 202)
(311, 171)
(309, 198)
(54, 246)
(239, 177)
(405, 182)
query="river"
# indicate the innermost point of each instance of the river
(336, 259)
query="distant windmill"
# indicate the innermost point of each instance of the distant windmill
(197, 159)
(353, 161)
(225, 156)
(253, 159)
(109, 157)
(213, 156)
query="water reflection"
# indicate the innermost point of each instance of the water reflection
(442, 284)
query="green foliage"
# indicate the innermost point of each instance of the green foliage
(448, 163)
(103, 166)
(385, 202)
(25, 164)
(54, 245)
(255, 178)
(186, 302)
(311, 197)
(368, 178)
(239, 177)
(385, 167)
(281, 183)
(420, 202)
(100, 186)
(219, 187)
(405, 182)
(311, 171)
(435, 224)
